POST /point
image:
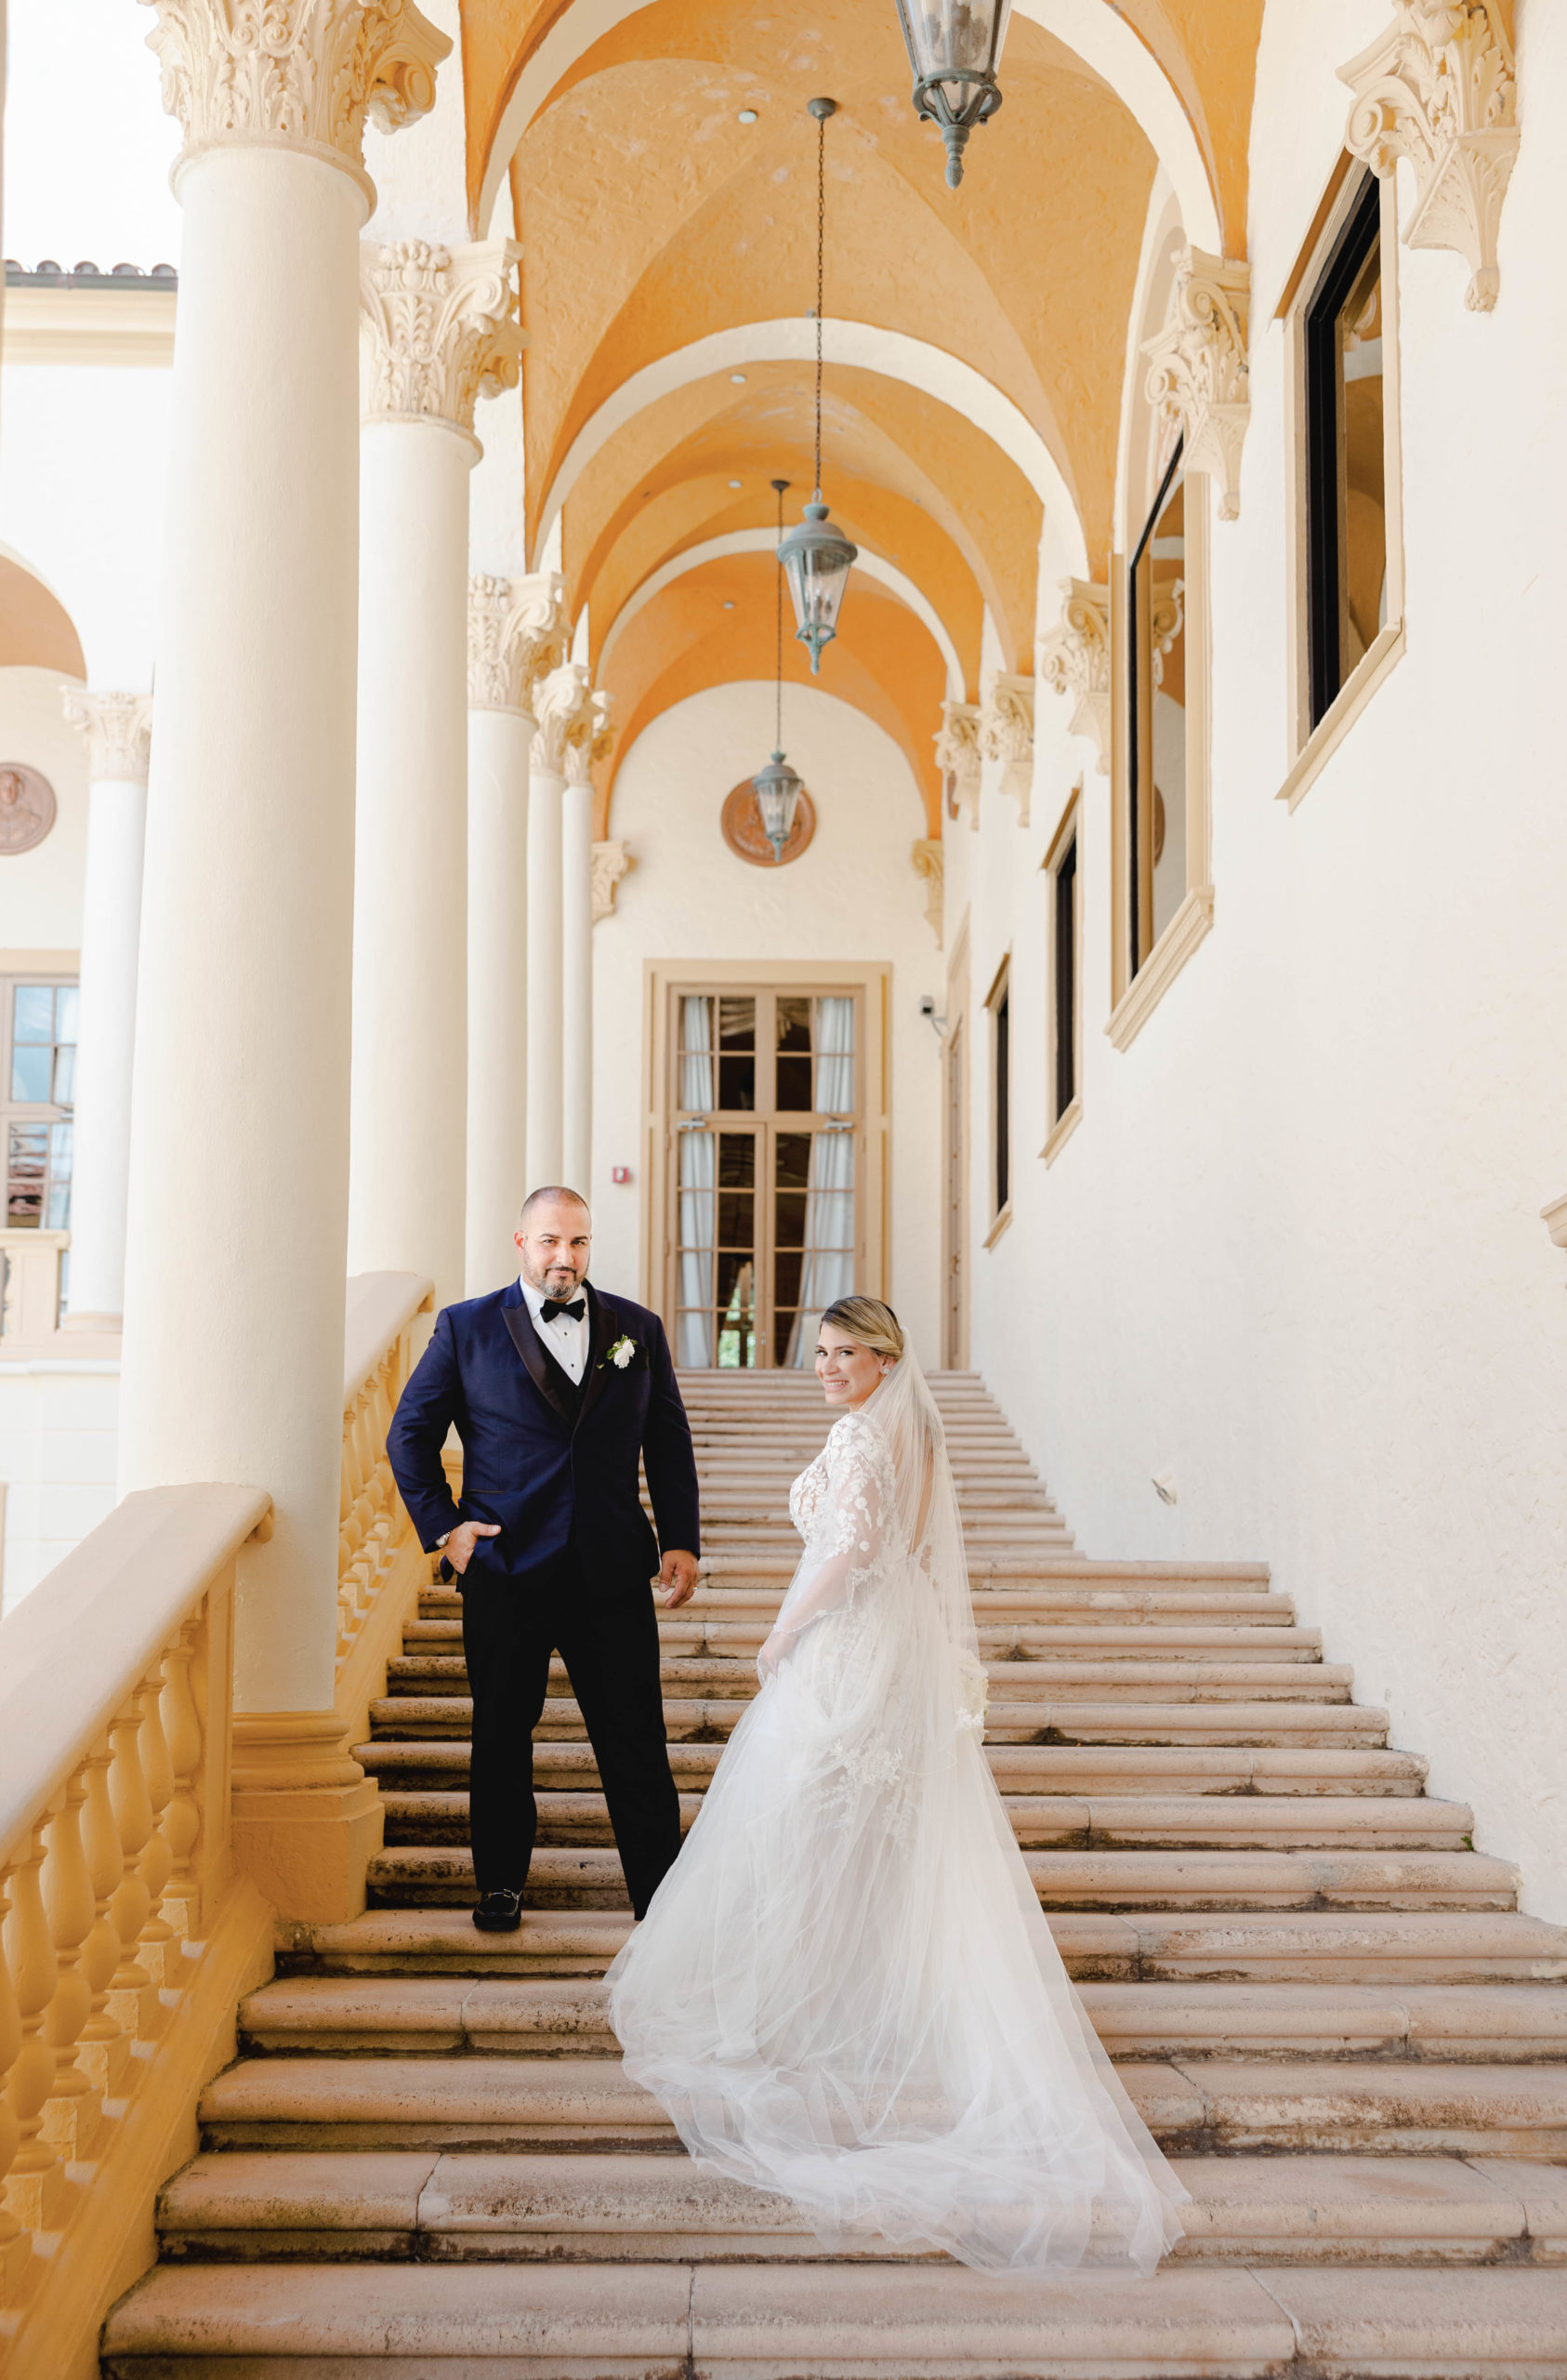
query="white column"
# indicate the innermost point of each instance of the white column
(438, 326)
(238, 1197)
(576, 947)
(118, 729)
(564, 714)
(515, 632)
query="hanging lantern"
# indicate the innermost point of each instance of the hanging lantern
(778, 798)
(816, 561)
(955, 49)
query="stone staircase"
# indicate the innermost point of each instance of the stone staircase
(1325, 2001)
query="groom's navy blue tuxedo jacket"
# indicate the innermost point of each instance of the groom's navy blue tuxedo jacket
(555, 1470)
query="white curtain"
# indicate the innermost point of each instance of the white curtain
(827, 1271)
(698, 1220)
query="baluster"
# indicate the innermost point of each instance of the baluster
(133, 1995)
(35, 2184)
(73, 2112)
(15, 2247)
(159, 1944)
(182, 1820)
(105, 2048)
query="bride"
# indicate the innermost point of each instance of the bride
(844, 1990)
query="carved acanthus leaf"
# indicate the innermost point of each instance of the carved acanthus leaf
(1075, 659)
(929, 862)
(1440, 88)
(1198, 380)
(302, 72)
(1007, 735)
(592, 740)
(438, 328)
(610, 861)
(517, 633)
(563, 707)
(1165, 625)
(957, 757)
(119, 732)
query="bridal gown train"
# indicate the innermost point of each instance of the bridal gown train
(844, 1990)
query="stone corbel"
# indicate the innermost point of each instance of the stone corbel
(1007, 735)
(438, 329)
(957, 757)
(1439, 88)
(119, 732)
(1074, 660)
(563, 707)
(610, 861)
(517, 633)
(929, 862)
(1198, 380)
(1165, 625)
(301, 74)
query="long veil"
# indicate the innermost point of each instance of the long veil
(845, 1991)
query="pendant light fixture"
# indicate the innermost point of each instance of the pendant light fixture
(955, 48)
(816, 559)
(777, 787)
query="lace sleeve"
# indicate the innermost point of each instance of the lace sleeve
(845, 1539)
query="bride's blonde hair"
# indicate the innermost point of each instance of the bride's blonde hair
(874, 1324)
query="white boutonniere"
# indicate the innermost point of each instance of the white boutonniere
(620, 1355)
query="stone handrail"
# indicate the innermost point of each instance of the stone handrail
(379, 1559)
(116, 1880)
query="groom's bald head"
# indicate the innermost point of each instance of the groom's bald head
(555, 1241)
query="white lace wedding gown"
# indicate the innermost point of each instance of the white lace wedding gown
(844, 1990)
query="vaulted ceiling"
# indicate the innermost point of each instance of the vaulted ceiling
(976, 339)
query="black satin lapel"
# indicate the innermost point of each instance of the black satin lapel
(525, 1339)
(601, 1332)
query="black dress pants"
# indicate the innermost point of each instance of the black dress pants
(609, 1643)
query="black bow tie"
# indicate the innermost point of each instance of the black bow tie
(576, 1308)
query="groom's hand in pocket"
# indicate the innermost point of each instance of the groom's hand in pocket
(678, 1572)
(458, 1548)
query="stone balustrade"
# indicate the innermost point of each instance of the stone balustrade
(380, 1562)
(30, 1301)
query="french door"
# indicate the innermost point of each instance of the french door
(766, 1157)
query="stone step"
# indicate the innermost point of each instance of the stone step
(734, 1651)
(1169, 1720)
(1380, 2108)
(1403, 1948)
(589, 1877)
(547, 2016)
(249, 2205)
(1043, 1821)
(1011, 1682)
(442, 1765)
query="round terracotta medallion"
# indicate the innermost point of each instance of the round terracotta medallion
(27, 808)
(742, 827)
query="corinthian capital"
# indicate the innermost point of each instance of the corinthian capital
(438, 328)
(957, 757)
(1075, 659)
(517, 633)
(119, 732)
(592, 742)
(301, 74)
(1198, 383)
(1439, 88)
(564, 710)
(1007, 735)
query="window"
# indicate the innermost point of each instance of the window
(1156, 742)
(40, 1061)
(765, 1135)
(1000, 1005)
(1346, 455)
(1062, 1037)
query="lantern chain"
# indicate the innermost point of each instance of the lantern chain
(821, 244)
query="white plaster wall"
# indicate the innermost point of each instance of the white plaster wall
(58, 1445)
(1293, 1252)
(41, 889)
(852, 895)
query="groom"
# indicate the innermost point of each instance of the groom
(555, 1389)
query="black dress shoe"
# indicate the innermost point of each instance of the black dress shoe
(499, 1912)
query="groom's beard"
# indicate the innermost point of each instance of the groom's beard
(558, 1280)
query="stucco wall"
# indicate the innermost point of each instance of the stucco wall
(852, 895)
(59, 1434)
(1293, 1252)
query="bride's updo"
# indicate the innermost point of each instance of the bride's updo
(871, 1323)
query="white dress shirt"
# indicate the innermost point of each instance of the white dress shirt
(566, 1340)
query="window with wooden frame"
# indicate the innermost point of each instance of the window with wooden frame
(1063, 1103)
(1000, 1007)
(1346, 574)
(39, 1077)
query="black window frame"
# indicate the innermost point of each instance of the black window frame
(1359, 232)
(1001, 1009)
(1063, 894)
